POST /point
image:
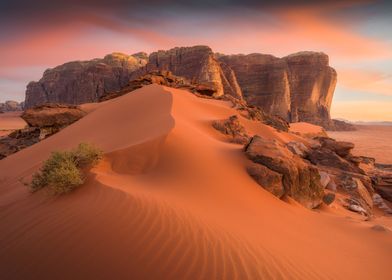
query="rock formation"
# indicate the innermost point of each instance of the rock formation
(83, 81)
(160, 77)
(298, 87)
(52, 115)
(43, 121)
(263, 80)
(10, 106)
(300, 180)
(199, 65)
(233, 129)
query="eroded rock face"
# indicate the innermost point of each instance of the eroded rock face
(312, 84)
(298, 87)
(83, 81)
(300, 179)
(268, 179)
(199, 65)
(263, 80)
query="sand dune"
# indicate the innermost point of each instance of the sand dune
(172, 200)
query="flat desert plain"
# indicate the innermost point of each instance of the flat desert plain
(10, 121)
(370, 140)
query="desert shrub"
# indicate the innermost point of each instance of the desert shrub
(86, 155)
(63, 171)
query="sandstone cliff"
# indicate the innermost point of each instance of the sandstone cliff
(312, 84)
(298, 87)
(199, 65)
(83, 81)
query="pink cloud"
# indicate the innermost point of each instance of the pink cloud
(373, 82)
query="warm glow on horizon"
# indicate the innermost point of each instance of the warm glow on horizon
(358, 42)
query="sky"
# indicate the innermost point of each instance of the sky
(40, 34)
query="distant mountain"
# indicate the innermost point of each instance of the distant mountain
(373, 123)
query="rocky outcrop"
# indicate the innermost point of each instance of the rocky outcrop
(298, 87)
(300, 180)
(233, 129)
(52, 115)
(338, 125)
(344, 173)
(11, 106)
(18, 140)
(160, 77)
(43, 121)
(199, 65)
(83, 81)
(257, 114)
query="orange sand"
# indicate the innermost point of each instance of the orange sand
(10, 121)
(370, 140)
(307, 129)
(172, 200)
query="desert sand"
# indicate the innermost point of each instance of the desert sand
(10, 121)
(172, 200)
(370, 140)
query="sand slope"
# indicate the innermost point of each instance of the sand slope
(172, 200)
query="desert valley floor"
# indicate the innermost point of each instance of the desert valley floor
(172, 200)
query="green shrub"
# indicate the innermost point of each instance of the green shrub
(63, 171)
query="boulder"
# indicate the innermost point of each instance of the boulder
(268, 179)
(329, 198)
(233, 129)
(359, 194)
(341, 148)
(328, 158)
(298, 148)
(52, 115)
(300, 180)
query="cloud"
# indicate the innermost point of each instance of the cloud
(370, 81)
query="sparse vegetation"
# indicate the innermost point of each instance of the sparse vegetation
(63, 171)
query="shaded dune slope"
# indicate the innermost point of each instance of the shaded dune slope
(171, 200)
